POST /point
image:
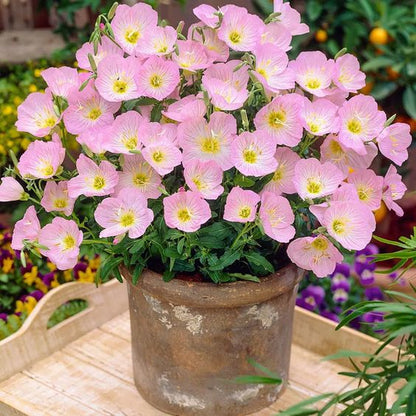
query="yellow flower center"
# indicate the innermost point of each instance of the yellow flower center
(184, 215)
(156, 81)
(49, 122)
(313, 83)
(210, 145)
(140, 179)
(364, 193)
(262, 72)
(119, 86)
(235, 37)
(130, 143)
(244, 212)
(162, 48)
(279, 173)
(132, 36)
(277, 119)
(313, 127)
(127, 219)
(198, 183)
(335, 148)
(99, 183)
(320, 244)
(354, 126)
(339, 226)
(158, 156)
(250, 156)
(68, 242)
(314, 186)
(60, 203)
(94, 113)
(46, 169)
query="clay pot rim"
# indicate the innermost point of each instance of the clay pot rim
(210, 295)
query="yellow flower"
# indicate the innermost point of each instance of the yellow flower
(40, 285)
(37, 72)
(25, 143)
(7, 264)
(17, 100)
(87, 276)
(30, 304)
(33, 88)
(51, 266)
(20, 307)
(7, 110)
(2, 150)
(68, 275)
(30, 277)
(94, 263)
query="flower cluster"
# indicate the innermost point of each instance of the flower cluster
(22, 287)
(205, 152)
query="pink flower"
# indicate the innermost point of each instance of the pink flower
(361, 121)
(192, 56)
(11, 190)
(393, 189)
(253, 154)
(138, 174)
(92, 180)
(347, 75)
(208, 141)
(26, 229)
(280, 120)
(216, 49)
(282, 181)
(241, 205)
(393, 142)
(61, 80)
(106, 47)
(313, 72)
(162, 156)
(240, 30)
(125, 213)
(351, 223)
(369, 187)
(123, 134)
(96, 139)
(271, 68)
(185, 109)
(315, 180)
(320, 117)
(314, 253)
(204, 177)
(41, 160)
(63, 238)
(56, 198)
(186, 211)
(88, 109)
(208, 14)
(131, 24)
(116, 78)
(277, 217)
(162, 42)
(345, 158)
(289, 18)
(157, 78)
(36, 115)
(154, 133)
(275, 33)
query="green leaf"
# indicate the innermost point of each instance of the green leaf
(244, 276)
(228, 258)
(257, 380)
(377, 63)
(259, 260)
(168, 275)
(313, 9)
(409, 100)
(383, 89)
(345, 354)
(243, 181)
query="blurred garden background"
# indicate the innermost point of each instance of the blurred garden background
(36, 34)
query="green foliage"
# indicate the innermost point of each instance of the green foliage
(67, 310)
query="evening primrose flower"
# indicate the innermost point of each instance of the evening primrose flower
(162, 156)
(36, 115)
(204, 177)
(162, 42)
(314, 253)
(347, 75)
(289, 18)
(41, 160)
(61, 81)
(26, 229)
(319, 117)
(125, 213)
(369, 187)
(393, 142)
(55, 198)
(186, 108)
(192, 56)
(116, 78)
(62, 238)
(393, 189)
(360, 121)
(277, 217)
(315, 180)
(11, 190)
(131, 24)
(138, 174)
(280, 120)
(92, 180)
(157, 78)
(241, 205)
(186, 211)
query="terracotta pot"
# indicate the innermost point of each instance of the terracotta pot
(190, 340)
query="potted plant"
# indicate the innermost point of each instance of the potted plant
(213, 171)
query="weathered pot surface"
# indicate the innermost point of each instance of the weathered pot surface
(190, 340)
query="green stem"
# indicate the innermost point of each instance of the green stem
(246, 228)
(97, 242)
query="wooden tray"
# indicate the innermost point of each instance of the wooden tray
(92, 376)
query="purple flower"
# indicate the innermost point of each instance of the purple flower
(362, 264)
(355, 323)
(304, 304)
(397, 279)
(372, 317)
(311, 297)
(330, 315)
(340, 295)
(343, 284)
(367, 277)
(48, 278)
(37, 294)
(79, 267)
(373, 293)
(342, 269)
(26, 269)
(3, 316)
